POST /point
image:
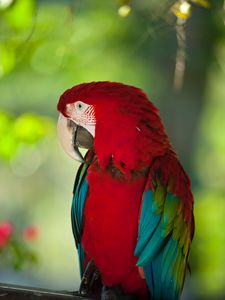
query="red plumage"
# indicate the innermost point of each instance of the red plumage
(110, 228)
(126, 120)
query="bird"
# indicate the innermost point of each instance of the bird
(132, 206)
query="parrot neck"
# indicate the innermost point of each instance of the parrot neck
(129, 150)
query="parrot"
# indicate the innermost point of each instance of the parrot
(132, 206)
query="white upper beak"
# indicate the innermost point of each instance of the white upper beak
(65, 134)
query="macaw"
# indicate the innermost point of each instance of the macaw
(132, 209)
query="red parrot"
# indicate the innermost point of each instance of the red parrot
(132, 209)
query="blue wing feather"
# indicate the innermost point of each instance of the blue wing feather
(80, 251)
(78, 202)
(160, 247)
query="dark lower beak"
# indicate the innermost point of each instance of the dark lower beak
(81, 138)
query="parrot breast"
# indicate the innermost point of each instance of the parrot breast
(111, 227)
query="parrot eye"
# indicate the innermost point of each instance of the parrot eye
(79, 105)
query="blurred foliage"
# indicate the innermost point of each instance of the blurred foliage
(212, 126)
(27, 129)
(20, 14)
(48, 46)
(15, 248)
(16, 19)
(209, 244)
(18, 22)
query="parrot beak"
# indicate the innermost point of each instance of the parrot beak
(71, 136)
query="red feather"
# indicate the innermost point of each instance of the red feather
(111, 228)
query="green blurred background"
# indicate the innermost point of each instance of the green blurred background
(49, 46)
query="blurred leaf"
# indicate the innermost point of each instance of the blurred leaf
(33, 258)
(211, 142)
(17, 255)
(5, 122)
(209, 243)
(20, 14)
(203, 3)
(17, 252)
(8, 144)
(7, 59)
(28, 128)
(8, 147)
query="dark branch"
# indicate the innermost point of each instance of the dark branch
(15, 292)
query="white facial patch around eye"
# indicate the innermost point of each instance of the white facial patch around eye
(82, 114)
(76, 111)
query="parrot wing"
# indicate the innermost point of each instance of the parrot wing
(164, 239)
(79, 197)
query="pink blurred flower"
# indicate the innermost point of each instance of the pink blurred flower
(5, 233)
(31, 233)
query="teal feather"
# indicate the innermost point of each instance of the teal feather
(152, 247)
(148, 224)
(148, 270)
(80, 251)
(157, 267)
(168, 257)
(78, 202)
(161, 238)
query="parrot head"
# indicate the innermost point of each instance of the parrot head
(76, 127)
(117, 121)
